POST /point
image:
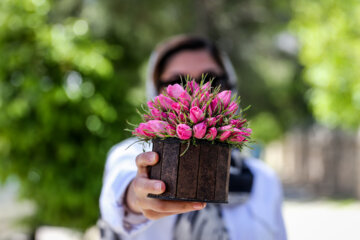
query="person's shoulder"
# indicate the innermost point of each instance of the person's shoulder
(261, 170)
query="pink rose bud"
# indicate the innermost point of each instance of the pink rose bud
(155, 113)
(195, 103)
(219, 119)
(165, 102)
(151, 104)
(196, 114)
(203, 108)
(199, 130)
(157, 127)
(171, 130)
(176, 107)
(175, 90)
(211, 134)
(192, 85)
(206, 87)
(164, 115)
(147, 117)
(232, 108)
(182, 117)
(204, 98)
(211, 121)
(225, 97)
(224, 135)
(237, 139)
(246, 131)
(237, 122)
(225, 132)
(215, 105)
(185, 98)
(143, 130)
(183, 131)
(172, 118)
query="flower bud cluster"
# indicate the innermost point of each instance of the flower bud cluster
(194, 111)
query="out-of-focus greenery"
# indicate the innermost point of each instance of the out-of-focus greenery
(62, 106)
(72, 72)
(329, 33)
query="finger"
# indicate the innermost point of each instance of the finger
(144, 160)
(143, 186)
(163, 206)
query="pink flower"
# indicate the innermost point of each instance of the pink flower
(151, 104)
(206, 87)
(224, 97)
(237, 139)
(237, 122)
(195, 103)
(171, 130)
(175, 90)
(196, 114)
(183, 131)
(211, 121)
(178, 107)
(214, 106)
(182, 117)
(143, 131)
(155, 113)
(164, 115)
(192, 85)
(211, 134)
(232, 108)
(157, 127)
(165, 102)
(219, 119)
(225, 132)
(199, 130)
(204, 97)
(185, 98)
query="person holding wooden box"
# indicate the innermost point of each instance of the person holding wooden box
(255, 193)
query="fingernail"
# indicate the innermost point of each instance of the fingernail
(198, 205)
(158, 186)
(152, 158)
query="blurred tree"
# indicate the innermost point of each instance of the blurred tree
(61, 109)
(329, 33)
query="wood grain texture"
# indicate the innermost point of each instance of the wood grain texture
(188, 172)
(155, 171)
(169, 167)
(207, 172)
(222, 173)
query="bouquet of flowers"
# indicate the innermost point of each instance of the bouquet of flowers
(194, 111)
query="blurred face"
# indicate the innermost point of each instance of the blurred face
(189, 62)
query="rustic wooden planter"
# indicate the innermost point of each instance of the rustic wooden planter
(201, 174)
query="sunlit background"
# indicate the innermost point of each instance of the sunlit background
(73, 71)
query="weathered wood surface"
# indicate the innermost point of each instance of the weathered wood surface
(201, 174)
(155, 171)
(188, 172)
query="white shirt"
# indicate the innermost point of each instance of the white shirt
(259, 217)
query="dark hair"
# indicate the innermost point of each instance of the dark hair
(186, 43)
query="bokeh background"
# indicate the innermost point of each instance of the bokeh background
(73, 71)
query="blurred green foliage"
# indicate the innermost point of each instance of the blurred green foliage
(329, 33)
(62, 106)
(72, 72)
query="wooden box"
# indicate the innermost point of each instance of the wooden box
(201, 174)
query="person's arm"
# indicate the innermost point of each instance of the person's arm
(124, 203)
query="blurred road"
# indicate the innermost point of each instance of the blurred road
(323, 219)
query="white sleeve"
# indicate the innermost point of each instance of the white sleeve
(120, 169)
